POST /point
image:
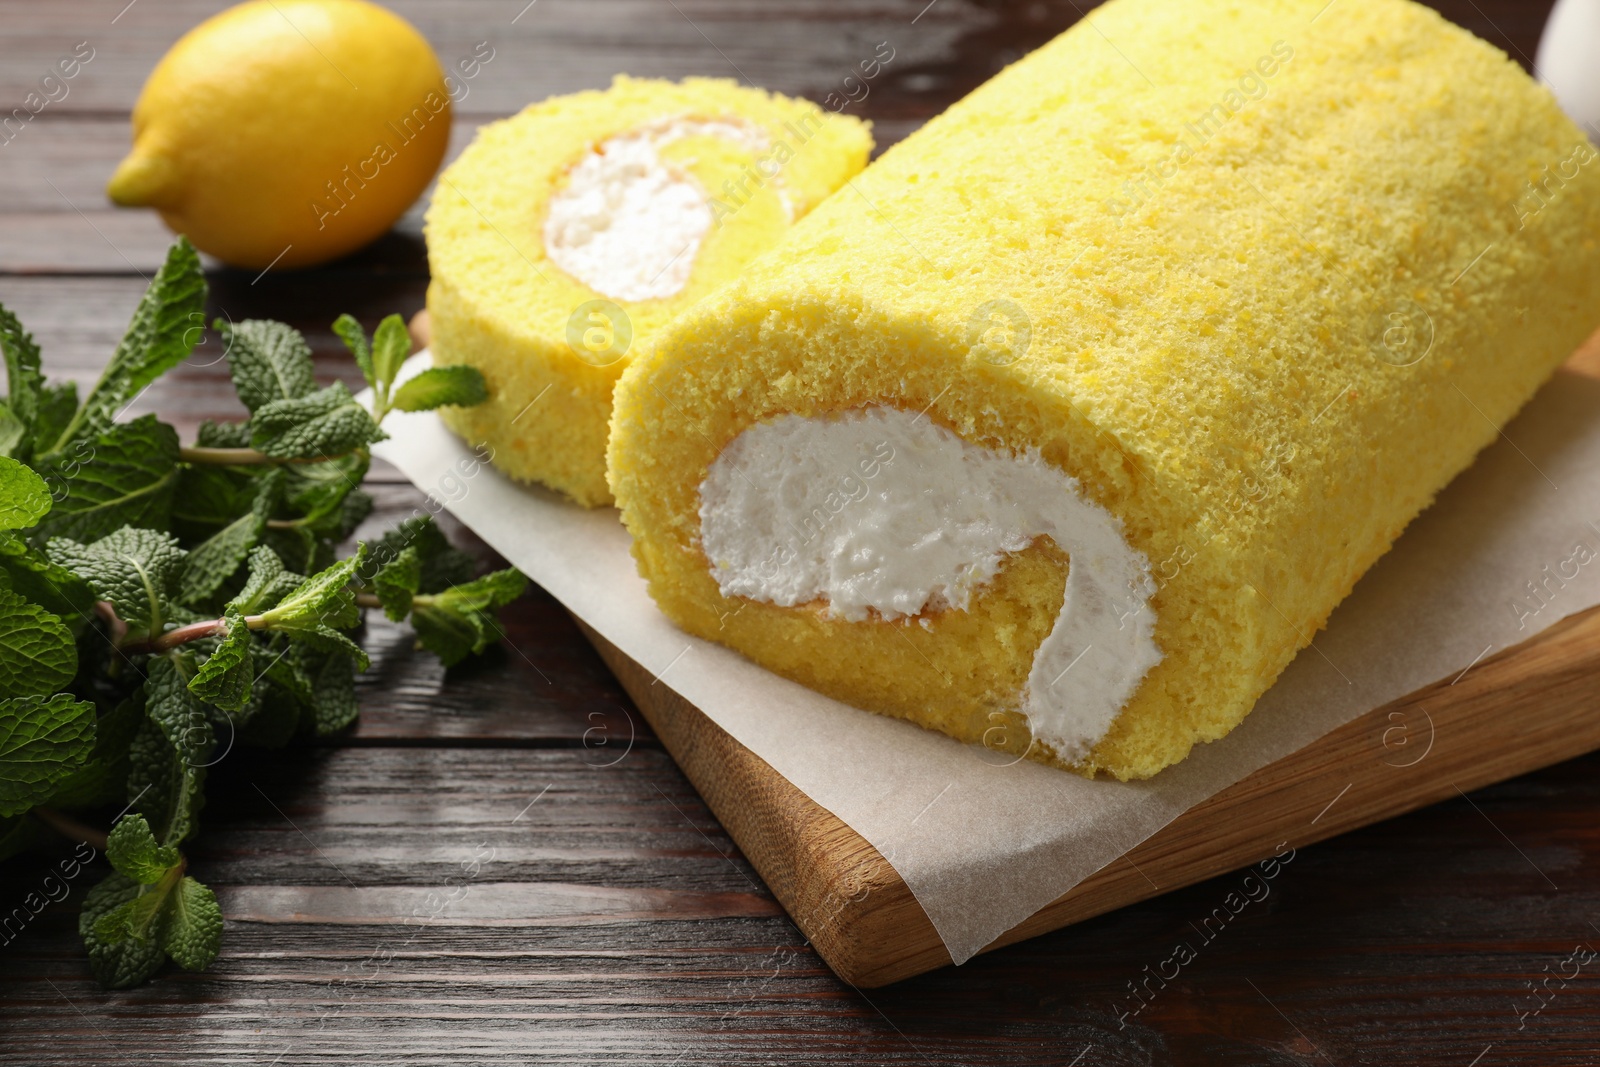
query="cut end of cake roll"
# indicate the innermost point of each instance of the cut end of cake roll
(1068, 453)
(903, 546)
(565, 237)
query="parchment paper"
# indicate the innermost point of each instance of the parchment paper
(983, 842)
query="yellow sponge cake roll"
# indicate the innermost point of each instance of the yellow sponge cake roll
(565, 237)
(1072, 429)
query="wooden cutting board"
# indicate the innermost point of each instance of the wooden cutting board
(1528, 707)
(1516, 711)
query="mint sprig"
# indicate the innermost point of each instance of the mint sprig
(148, 910)
(460, 621)
(161, 605)
(292, 422)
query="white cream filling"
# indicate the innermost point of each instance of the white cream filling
(629, 225)
(883, 511)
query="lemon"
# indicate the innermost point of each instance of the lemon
(287, 132)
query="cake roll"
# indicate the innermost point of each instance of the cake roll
(565, 237)
(1070, 431)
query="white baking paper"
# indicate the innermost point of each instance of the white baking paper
(984, 842)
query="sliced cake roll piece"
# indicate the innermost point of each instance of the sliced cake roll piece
(565, 237)
(1072, 429)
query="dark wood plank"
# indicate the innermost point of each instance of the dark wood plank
(803, 48)
(613, 922)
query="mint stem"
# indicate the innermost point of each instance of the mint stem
(68, 827)
(119, 629)
(247, 457)
(199, 631)
(194, 631)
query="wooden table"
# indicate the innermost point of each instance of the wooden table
(502, 866)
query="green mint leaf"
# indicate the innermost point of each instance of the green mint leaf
(210, 497)
(51, 586)
(333, 682)
(24, 498)
(136, 921)
(450, 634)
(493, 590)
(103, 780)
(323, 599)
(391, 344)
(276, 718)
(325, 495)
(192, 933)
(340, 523)
(123, 477)
(443, 565)
(215, 560)
(167, 323)
(355, 339)
(224, 678)
(133, 850)
(13, 432)
(126, 962)
(180, 714)
(57, 404)
(397, 582)
(223, 434)
(212, 562)
(325, 638)
(284, 668)
(327, 423)
(269, 583)
(23, 377)
(266, 570)
(129, 927)
(282, 697)
(461, 620)
(162, 786)
(135, 570)
(269, 361)
(297, 547)
(437, 387)
(37, 652)
(42, 741)
(299, 686)
(318, 487)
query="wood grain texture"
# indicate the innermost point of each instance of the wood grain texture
(1409, 941)
(1525, 708)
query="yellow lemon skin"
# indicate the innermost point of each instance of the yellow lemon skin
(287, 132)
